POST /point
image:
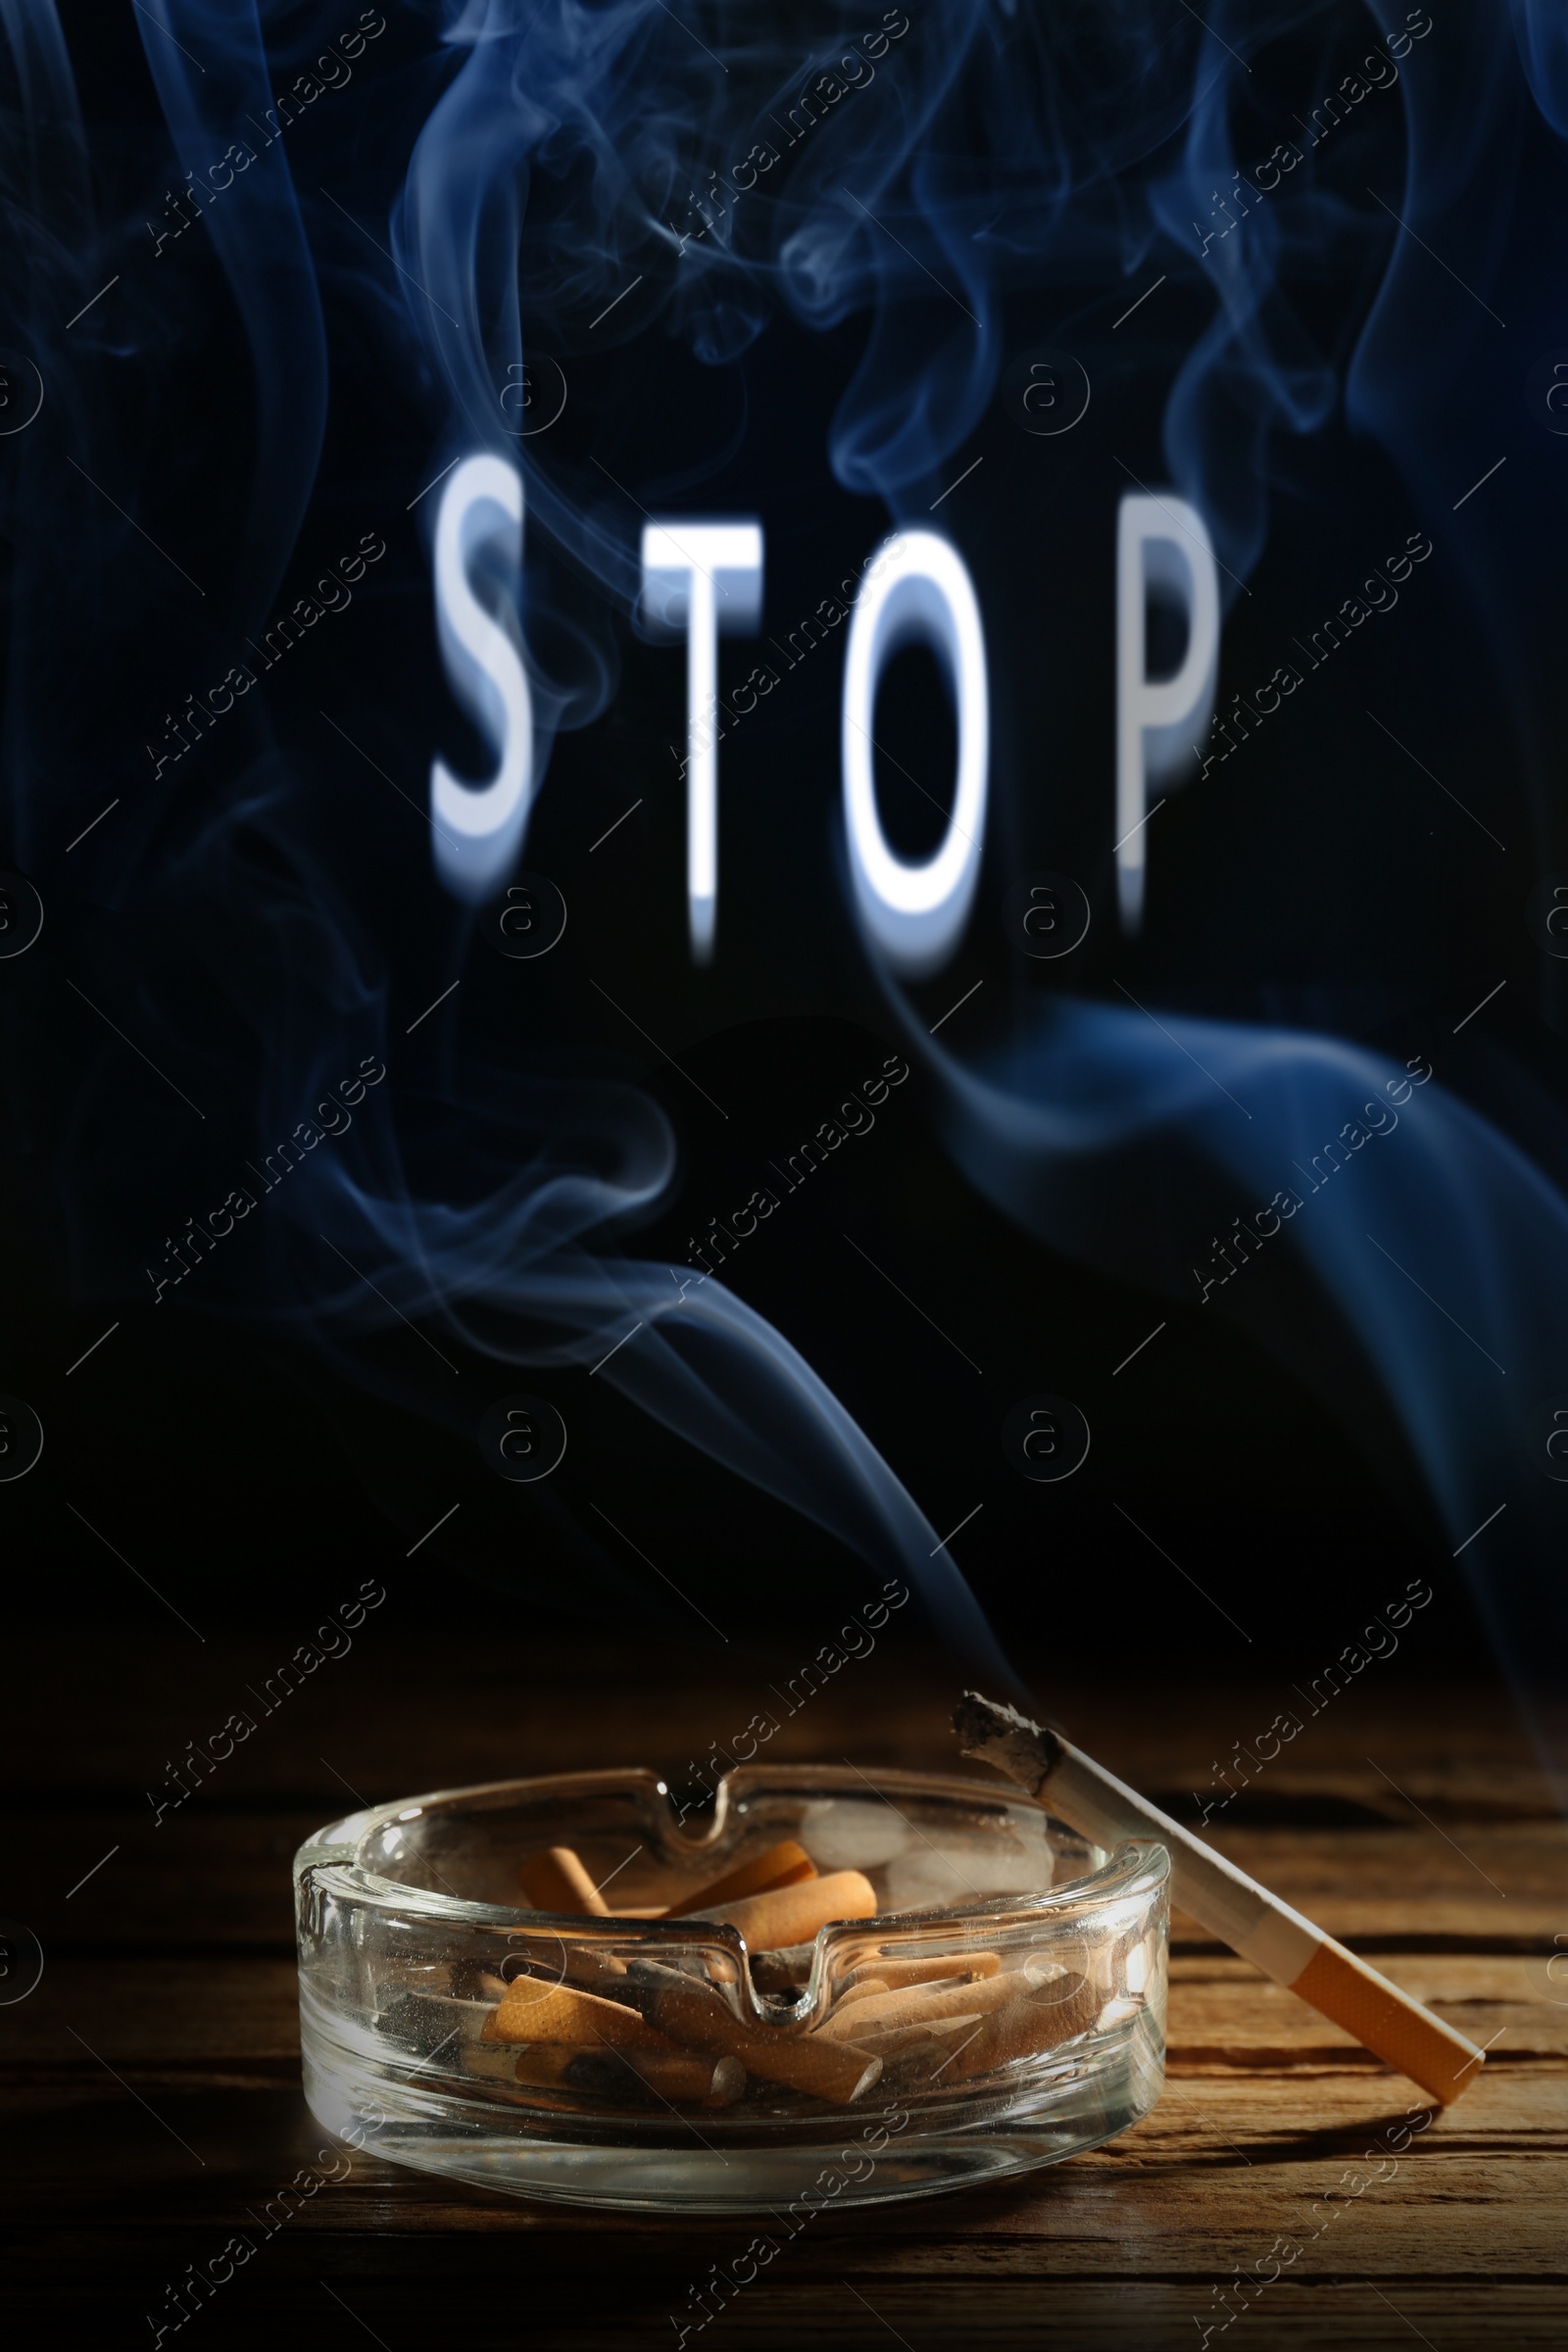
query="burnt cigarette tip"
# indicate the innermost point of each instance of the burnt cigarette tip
(998, 1735)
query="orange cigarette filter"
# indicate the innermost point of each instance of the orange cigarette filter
(540, 2012)
(863, 1990)
(828, 2070)
(938, 2033)
(923, 2005)
(782, 1865)
(793, 1914)
(554, 1879)
(885, 1975)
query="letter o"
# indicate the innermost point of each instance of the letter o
(916, 914)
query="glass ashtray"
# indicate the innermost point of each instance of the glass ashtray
(996, 2001)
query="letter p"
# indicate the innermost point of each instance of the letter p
(1161, 545)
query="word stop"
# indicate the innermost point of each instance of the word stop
(703, 578)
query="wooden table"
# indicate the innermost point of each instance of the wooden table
(153, 2087)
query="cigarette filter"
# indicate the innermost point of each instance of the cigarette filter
(782, 1865)
(922, 2004)
(538, 2012)
(791, 1914)
(555, 1880)
(887, 1975)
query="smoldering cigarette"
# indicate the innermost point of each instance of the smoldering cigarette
(828, 2070)
(783, 1865)
(1242, 1913)
(554, 1881)
(791, 1914)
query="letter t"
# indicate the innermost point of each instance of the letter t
(703, 577)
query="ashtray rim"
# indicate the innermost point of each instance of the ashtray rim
(1135, 1866)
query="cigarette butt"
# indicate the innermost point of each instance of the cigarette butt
(1052, 2013)
(542, 2063)
(587, 1968)
(791, 1914)
(828, 2070)
(476, 1981)
(920, 2004)
(777, 1972)
(783, 1865)
(862, 1990)
(554, 1879)
(537, 2012)
(887, 1974)
(491, 2059)
(681, 2076)
(940, 2032)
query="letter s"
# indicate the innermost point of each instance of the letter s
(477, 833)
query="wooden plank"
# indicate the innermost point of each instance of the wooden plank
(1386, 1887)
(1498, 1884)
(375, 1716)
